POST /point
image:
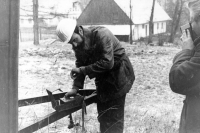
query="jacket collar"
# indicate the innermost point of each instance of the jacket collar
(88, 37)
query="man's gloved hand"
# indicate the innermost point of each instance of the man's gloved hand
(75, 72)
(71, 93)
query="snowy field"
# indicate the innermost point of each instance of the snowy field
(151, 106)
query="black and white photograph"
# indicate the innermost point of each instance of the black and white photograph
(100, 66)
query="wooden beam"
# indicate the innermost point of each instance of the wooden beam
(45, 98)
(9, 41)
(56, 116)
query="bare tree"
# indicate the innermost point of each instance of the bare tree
(35, 21)
(151, 23)
(39, 14)
(176, 19)
(162, 3)
(131, 34)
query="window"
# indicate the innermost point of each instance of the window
(143, 26)
(162, 25)
(50, 21)
(158, 25)
(29, 20)
(146, 29)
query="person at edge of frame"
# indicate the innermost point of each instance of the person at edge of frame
(184, 76)
(99, 55)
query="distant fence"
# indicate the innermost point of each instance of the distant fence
(26, 34)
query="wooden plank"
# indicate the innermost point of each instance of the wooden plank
(4, 99)
(38, 100)
(9, 17)
(56, 116)
(45, 98)
(13, 64)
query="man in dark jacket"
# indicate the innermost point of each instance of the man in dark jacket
(184, 75)
(99, 55)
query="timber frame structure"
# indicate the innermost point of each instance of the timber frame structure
(9, 43)
(89, 98)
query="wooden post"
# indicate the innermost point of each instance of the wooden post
(9, 39)
(35, 20)
(131, 30)
(40, 33)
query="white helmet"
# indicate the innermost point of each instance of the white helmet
(65, 29)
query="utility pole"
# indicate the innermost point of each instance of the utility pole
(131, 34)
(35, 21)
(9, 46)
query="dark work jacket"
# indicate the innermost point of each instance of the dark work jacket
(107, 62)
(184, 79)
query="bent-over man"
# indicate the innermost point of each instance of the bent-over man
(99, 55)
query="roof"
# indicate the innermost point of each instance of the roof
(141, 10)
(101, 12)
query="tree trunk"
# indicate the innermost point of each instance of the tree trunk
(35, 21)
(176, 20)
(151, 23)
(179, 17)
(131, 34)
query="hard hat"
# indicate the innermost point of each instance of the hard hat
(65, 29)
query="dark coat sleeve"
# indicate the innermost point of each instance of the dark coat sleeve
(106, 62)
(79, 81)
(184, 76)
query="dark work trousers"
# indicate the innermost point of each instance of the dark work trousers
(111, 115)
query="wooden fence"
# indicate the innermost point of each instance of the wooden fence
(26, 34)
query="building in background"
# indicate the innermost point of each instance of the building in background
(76, 9)
(106, 13)
(49, 14)
(141, 11)
(115, 15)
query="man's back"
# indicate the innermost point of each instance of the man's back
(105, 50)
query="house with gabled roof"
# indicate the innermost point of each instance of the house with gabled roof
(115, 15)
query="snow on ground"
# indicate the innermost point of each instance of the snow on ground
(151, 106)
